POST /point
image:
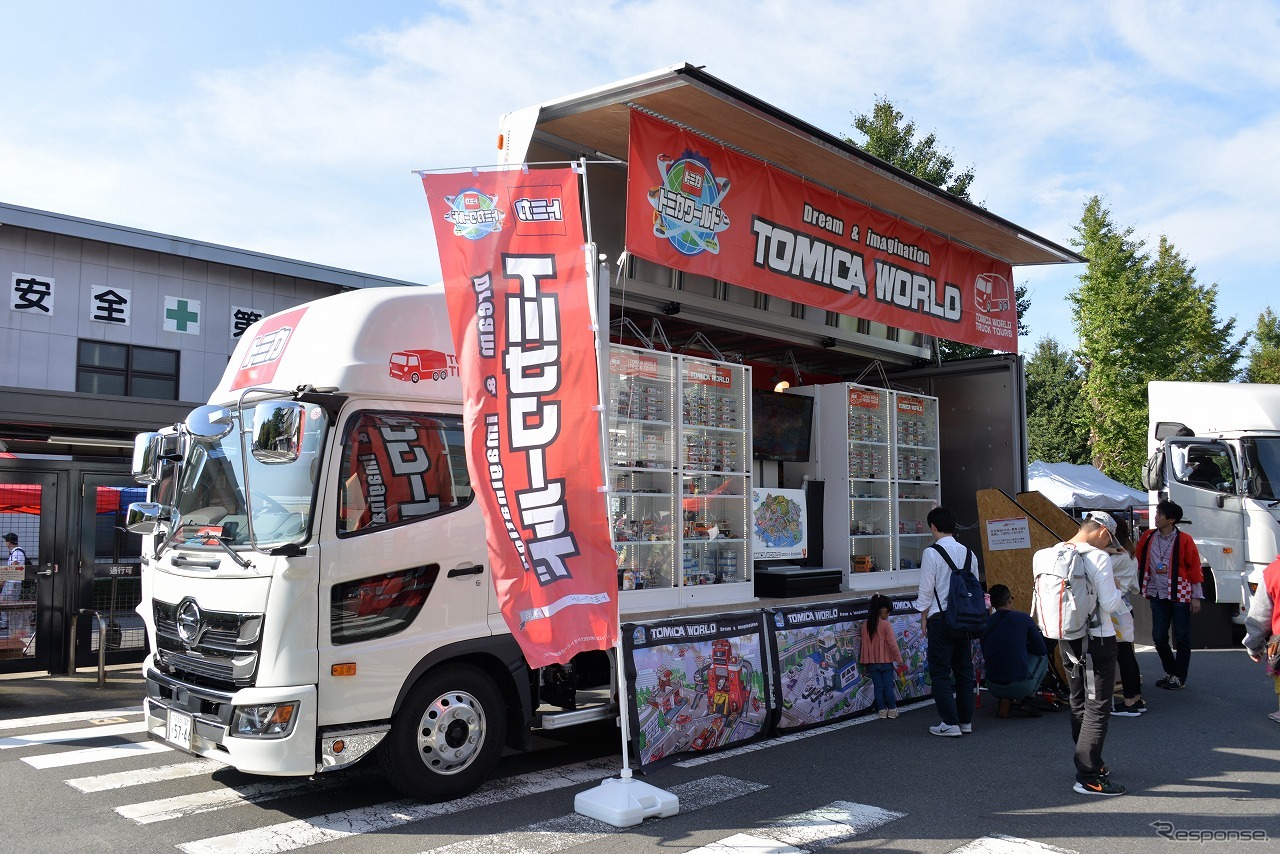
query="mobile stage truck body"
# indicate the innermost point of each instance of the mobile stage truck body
(317, 581)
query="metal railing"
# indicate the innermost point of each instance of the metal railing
(102, 645)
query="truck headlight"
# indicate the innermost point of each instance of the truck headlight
(271, 720)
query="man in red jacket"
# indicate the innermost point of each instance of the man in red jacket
(1171, 579)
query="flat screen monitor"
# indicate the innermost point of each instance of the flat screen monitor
(781, 426)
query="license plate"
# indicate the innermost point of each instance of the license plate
(179, 731)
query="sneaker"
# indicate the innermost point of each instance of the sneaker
(893, 713)
(966, 728)
(946, 730)
(1119, 709)
(1171, 683)
(1275, 716)
(1100, 785)
(1139, 706)
(884, 713)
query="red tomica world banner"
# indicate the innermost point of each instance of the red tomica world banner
(696, 206)
(511, 252)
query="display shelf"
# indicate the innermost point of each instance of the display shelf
(916, 487)
(880, 448)
(679, 478)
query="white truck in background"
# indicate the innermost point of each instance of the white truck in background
(1214, 449)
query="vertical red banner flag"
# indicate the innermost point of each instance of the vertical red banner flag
(515, 277)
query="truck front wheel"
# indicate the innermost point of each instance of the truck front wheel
(447, 735)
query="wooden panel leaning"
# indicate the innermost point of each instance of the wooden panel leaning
(1045, 525)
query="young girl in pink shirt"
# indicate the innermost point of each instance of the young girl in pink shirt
(880, 655)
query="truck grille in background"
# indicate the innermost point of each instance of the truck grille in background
(225, 656)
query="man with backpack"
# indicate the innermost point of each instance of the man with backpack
(1074, 597)
(948, 567)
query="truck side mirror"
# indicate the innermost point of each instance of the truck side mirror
(277, 431)
(148, 517)
(210, 422)
(148, 452)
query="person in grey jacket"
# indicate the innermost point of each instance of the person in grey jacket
(1262, 623)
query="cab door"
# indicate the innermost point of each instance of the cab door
(404, 568)
(1202, 476)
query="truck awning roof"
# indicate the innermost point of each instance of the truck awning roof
(599, 120)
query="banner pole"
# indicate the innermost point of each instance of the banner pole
(625, 801)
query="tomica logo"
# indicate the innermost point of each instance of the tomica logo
(991, 293)
(474, 215)
(686, 207)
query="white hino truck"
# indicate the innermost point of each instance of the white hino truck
(317, 577)
(1215, 451)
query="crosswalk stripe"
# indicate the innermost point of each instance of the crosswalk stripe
(65, 718)
(291, 835)
(745, 843)
(180, 806)
(566, 831)
(71, 735)
(1001, 844)
(836, 822)
(144, 776)
(94, 754)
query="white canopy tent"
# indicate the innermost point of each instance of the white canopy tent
(1069, 485)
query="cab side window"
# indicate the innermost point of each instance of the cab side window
(1207, 467)
(399, 468)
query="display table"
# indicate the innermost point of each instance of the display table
(788, 581)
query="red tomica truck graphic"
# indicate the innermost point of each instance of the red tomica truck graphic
(413, 365)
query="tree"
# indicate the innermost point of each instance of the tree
(1138, 320)
(893, 141)
(1264, 357)
(1057, 422)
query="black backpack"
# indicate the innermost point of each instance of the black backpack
(966, 612)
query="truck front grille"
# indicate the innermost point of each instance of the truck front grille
(220, 649)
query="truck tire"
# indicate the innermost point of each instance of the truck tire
(413, 378)
(447, 736)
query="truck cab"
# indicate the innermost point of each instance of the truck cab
(1215, 451)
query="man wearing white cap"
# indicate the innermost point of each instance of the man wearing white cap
(1090, 661)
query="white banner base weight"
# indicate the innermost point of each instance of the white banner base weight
(625, 802)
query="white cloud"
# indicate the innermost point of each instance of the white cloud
(1169, 110)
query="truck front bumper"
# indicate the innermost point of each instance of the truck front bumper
(201, 721)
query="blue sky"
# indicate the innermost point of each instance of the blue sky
(292, 128)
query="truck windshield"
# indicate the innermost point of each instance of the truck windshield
(211, 496)
(1263, 457)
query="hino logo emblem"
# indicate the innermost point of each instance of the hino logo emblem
(190, 626)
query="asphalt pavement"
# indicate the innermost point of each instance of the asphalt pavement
(28, 694)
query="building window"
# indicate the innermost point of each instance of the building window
(126, 370)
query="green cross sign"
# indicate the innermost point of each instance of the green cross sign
(182, 315)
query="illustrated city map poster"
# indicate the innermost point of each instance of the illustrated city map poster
(817, 679)
(778, 530)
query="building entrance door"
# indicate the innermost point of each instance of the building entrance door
(110, 578)
(31, 581)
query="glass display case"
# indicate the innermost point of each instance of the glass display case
(869, 509)
(878, 453)
(916, 487)
(679, 477)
